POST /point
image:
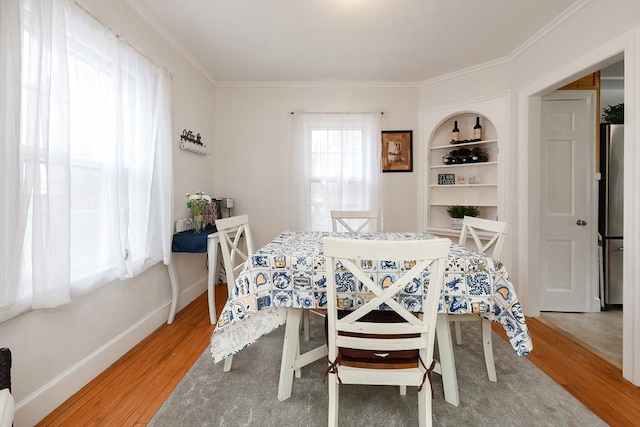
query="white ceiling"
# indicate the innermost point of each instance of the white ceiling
(347, 41)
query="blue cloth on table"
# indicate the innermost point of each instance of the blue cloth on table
(188, 241)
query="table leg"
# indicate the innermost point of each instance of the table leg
(292, 360)
(289, 350)
(212, 267)
(447, 362)
(488, 350)
(173, 278)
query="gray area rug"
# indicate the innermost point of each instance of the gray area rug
(247, 396)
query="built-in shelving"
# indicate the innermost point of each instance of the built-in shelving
(482, 192)
(463, 144)
(464, 165)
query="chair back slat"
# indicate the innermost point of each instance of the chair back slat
(492, 244)
(417, 261)
(354, 221)
(396, 344)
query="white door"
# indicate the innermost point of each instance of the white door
(567, 203)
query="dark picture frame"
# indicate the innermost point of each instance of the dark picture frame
(397, 151)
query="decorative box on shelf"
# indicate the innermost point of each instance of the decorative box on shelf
(446, 179)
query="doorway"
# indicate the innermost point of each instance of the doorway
(568, 239)
(601, 332)
(526, 164)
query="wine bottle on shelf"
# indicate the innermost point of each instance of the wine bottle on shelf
(455, 133)
(477, 130)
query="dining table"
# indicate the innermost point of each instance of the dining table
(288, 276)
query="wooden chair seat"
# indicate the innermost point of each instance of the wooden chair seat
(373, 359)
(390, 363)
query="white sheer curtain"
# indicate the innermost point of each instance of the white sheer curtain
(335, 166)
(87, 173)
(145, 116)
(35, 157)
(13, 200)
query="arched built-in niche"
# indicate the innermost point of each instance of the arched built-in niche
(494, 186)
(462, 173)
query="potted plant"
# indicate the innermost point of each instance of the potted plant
(196, 203)
(458, 212)
(613, 114)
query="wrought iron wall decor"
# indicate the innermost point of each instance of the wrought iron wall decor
(192, 143)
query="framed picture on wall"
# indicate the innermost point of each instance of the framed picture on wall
(397, 151)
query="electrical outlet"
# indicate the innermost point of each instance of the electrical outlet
(184, 224)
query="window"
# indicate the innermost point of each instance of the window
(91, 157)
(335, 165)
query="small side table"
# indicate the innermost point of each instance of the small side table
(190, 242)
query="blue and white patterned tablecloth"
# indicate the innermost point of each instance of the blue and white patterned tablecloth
(290, 272)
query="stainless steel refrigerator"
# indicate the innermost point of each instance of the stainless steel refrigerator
(610, 209)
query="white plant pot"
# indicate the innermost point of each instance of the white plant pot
(456, 223)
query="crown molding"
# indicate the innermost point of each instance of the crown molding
(166, 34)
(317, 84)
(549, 27)
(465, 71)
(531, 41)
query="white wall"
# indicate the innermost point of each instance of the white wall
(469, 85)
(57, 351)
(253, 135)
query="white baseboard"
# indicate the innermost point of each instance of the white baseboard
(188, 295)
(43, 401)
(596, 305)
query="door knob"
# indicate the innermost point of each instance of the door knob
(581, 222)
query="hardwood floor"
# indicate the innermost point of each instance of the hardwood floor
(130, 391)
(600, 332)
(595, 382)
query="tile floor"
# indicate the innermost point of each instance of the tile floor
(600, 332)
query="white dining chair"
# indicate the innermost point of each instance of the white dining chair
(488, 236)
(354, 221)
(365, 348)
(236, 245)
